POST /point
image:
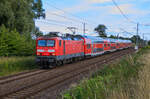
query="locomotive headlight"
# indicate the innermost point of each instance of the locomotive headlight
(40, 50)
(51, 50)
(53, 54)
(38, 54)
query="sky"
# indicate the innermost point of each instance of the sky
(61, 14)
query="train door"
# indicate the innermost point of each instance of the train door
(92, 52)
(64, 48)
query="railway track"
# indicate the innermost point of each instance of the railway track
(44, 79)
(8, 79)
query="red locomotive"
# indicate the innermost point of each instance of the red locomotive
(53, 51)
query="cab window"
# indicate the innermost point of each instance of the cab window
(50, 43)
(42, 43)
(88, 46)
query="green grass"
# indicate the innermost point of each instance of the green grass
(102, 83)
(12, 65)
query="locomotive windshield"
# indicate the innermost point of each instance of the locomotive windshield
(49, 43)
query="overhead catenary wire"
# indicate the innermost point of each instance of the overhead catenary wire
(121, 28)
(122, 13)
(71, 19)
(127, 32)
(81, 20)
(75, 18)
(131, 21)
(56, 24)
(61, 22)
(52, 23)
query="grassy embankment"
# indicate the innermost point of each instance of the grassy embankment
(12, 65)
(128, 78)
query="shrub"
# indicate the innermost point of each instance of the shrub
(14, 44)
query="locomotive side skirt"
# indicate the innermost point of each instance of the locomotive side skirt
(58, 58)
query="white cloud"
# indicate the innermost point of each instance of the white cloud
(98, 1)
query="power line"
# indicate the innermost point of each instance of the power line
(65, 11)
(121, 28)
(92, 23)
(123, 31)
(56, 24)
(127, 32)
(57, 21)
(80, 19)
(74, 20)
(114, 2)
(71, 19)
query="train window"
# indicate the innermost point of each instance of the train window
(88, 46)
(51, 43)
(60, 43)
(46, 43)
(105, 45)
(42, 43)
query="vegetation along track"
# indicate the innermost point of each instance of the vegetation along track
(29, 86)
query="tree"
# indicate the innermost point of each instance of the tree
(3, 45)
(101, 30)
(20, 14)
(112, 36)
(148, 42)
(17, 23)
(134, 38)
(12, 43)
(37, 33)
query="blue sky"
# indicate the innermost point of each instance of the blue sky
(94, 12)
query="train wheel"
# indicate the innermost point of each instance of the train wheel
(61, 63)
(58, 63)
(74, 59)
(71, 60)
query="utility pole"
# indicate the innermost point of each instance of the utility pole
(143, 40)
(118, 36)
(84, 29)
(137, 35)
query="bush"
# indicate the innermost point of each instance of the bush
(14, 44)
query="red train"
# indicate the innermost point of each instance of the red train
(53, 51)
